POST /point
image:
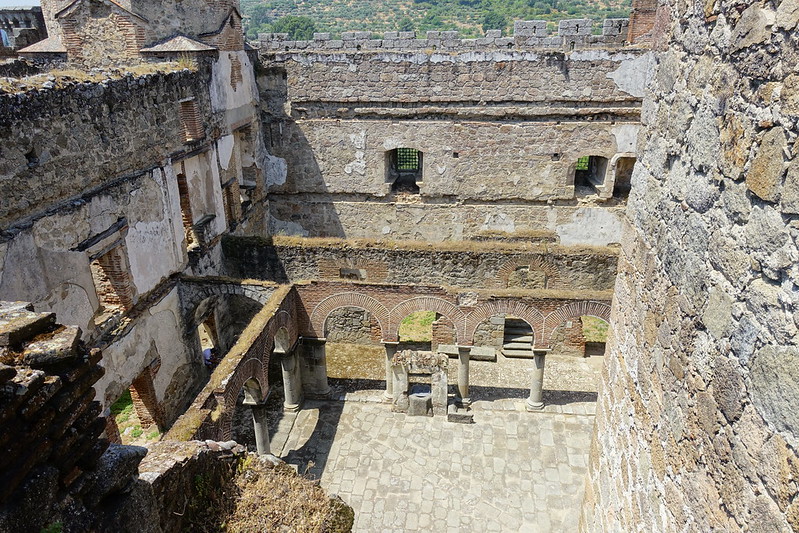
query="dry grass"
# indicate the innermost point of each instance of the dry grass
(275, 498)
(65, 77)
(594, 329)
(417, 327)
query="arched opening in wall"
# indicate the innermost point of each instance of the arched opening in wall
(355, 355)
(112, 281)
(624, 172)
(500, 359)
(243, 421)
(404, 169)
(206, 331)
(582, 336)
(589, 173)
(137, 415)
(416, 330)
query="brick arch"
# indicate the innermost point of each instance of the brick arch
(530, 314)
(194, 294)
(252, 368)
(574, 310)
(347, 299)
(426, 303)
(535, 263)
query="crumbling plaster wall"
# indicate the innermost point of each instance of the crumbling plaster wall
(697, 424)
(492, 126)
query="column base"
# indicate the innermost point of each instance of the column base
(292, 407)
(388, 398)
(464, 402)
(533, 406)
(326, 395)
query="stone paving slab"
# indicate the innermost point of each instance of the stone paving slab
(510, 471)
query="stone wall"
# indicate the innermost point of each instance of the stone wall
(571, 34)
(696, 425)
(502, 265)
(500, 133)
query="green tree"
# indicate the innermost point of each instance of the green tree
(405, 24)
(298, 28)
(494, 21)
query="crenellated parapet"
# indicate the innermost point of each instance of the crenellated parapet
(571, 34)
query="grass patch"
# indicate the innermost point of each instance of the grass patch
(128, 422)
(594, 329)
(417, 327)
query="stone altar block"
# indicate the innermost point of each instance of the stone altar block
(406, 363)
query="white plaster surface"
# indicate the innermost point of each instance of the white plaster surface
(596, 226)
(633, 74)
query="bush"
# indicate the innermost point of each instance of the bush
(298, 28)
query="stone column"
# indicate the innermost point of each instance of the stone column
(292, 381)
(463, 375)
(391, 349)
(261, 429)
(315, 365)
(536, 400)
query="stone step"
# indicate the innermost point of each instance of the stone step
(517, 346)
(18, 325)
(518, 354)
(517, 330)
(519, 338)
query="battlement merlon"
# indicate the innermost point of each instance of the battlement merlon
(571, 34)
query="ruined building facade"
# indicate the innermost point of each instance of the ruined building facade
(205, 193)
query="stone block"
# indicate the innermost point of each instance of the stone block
(348, 36)
(483, 353)
(459, 415)
(765, 173)
(434, 35)
(391, 36)
(493, 34)
(403, 35)
(17, 326)
(449, 34)
(58, 348)
(334, 44)
(505, 42)
(321, 36)
(363, 35)
(530, 28)
(575, 27)
(420, 404)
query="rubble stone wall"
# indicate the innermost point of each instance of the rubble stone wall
(485, 265)
(500, 133)
(696, 424)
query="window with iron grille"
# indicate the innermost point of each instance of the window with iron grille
(404, 169)
(407, 159)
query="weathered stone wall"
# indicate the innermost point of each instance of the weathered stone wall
(481, 265)
(696, 425)
(491, 125)
(46, 133)
(351, 325)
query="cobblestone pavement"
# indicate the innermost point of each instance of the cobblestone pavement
(510, 471)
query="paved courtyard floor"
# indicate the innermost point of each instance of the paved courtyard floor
(509, 471)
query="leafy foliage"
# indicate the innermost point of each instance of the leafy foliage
(298, 28)
(470, 17)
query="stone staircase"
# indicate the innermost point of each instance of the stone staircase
(518, 339)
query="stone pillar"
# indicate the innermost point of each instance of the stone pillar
(259, 420)
(536, 400)
(292, 381)
(463, 375)
(314, 378)
(391, 349)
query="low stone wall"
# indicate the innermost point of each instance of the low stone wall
(505, 265)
